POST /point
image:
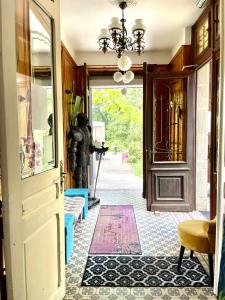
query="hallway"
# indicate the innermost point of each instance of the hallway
(157, 235)
(115, 175)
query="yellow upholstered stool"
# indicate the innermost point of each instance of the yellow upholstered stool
(199, 236)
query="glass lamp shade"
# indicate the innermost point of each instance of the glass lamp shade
(138, 28)
(115, 26)
(124, 63)
(117, 76)
(104, 35)
(128, 77)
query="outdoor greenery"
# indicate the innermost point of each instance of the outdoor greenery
(122, 115)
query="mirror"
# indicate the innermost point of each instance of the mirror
(169, 118)
(35, 89)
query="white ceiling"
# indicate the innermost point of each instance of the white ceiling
(81, 21)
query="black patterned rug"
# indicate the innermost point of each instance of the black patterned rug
(144, 271)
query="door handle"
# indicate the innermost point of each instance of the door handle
(62, 176)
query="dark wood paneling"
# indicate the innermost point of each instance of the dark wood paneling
(145, 146)
(23, 37)
(169, 187)
(109, 70)
(181, 59)
(68, 79)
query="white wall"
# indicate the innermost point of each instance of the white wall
(110, 58)
(97, 81)
(183, 39)
(203, 128)
(68, 45)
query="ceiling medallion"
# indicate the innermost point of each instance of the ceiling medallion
(129, 2)
(116, 38)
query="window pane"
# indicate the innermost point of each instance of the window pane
(35, 89)
(169, 117)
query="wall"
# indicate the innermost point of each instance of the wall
(183, 39)
(203, 128)
(110, 58)
(96, 81)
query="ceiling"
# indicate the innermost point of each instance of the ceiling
(81, 21)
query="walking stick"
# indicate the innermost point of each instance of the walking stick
(92, 200)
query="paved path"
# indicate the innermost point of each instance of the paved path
(115, 175)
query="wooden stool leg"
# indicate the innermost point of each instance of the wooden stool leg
(211, 273)
(182, 248)
(191, 254)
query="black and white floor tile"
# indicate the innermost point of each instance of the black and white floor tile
(158, 237)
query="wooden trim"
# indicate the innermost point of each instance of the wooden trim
(68, 77)
(67, 55)
(214, 136)
(145, 150)
(108, 70)
(183, 57)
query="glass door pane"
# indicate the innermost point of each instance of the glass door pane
(35, 89)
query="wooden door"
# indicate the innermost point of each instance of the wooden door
(170, 141)
(145, 127)
(32, 149)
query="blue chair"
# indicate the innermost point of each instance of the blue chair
(82, 192)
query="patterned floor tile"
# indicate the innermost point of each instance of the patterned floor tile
(158, 236)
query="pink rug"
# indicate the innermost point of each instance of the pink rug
(115, 231)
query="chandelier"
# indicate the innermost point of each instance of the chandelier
(116, 37)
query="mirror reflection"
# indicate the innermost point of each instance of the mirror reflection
(36, 94)
(169, 119)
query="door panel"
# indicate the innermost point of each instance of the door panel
(170, 142)
(33, 204)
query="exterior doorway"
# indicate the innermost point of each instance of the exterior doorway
(117, 121)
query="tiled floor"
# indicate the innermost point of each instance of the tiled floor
(158, 236)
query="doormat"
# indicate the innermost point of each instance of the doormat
(115, 231)
(144, 271)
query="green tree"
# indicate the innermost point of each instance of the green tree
(122, 115)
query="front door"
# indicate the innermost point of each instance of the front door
(169, 141)
(31, 149)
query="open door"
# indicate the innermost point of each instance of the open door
(31, 149)
(169, 124)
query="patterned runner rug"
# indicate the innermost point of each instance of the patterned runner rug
(144, 271)
(115, 231)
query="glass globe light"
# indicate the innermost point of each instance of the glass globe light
(117, 76)
(129, 76)
(124, 63)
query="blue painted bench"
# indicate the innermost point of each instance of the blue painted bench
(69, 221)
(82, 192)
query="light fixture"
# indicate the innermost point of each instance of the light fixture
(125, 77)
(128, 77)
(118, 76)
(124, 63)
(116, 38)
(202, 3)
